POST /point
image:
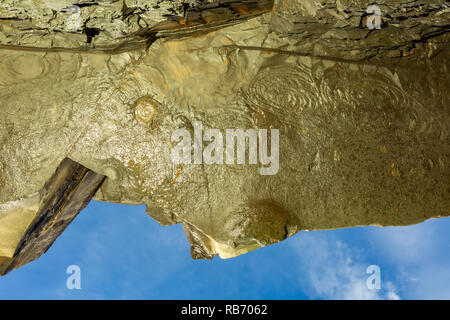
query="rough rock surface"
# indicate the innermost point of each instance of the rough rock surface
(363, 115)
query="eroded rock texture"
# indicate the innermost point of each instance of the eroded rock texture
(363, 115)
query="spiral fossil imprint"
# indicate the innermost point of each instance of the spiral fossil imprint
(285, 89)
(291, 90)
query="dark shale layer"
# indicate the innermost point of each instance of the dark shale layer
(67, 192)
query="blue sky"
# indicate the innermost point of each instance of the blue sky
(124, 254)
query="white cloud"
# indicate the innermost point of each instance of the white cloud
(419, 256)
(332, 270)
(391, 292)
(406, 244)
(415, 257)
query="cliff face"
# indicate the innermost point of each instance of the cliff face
(351, 123)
